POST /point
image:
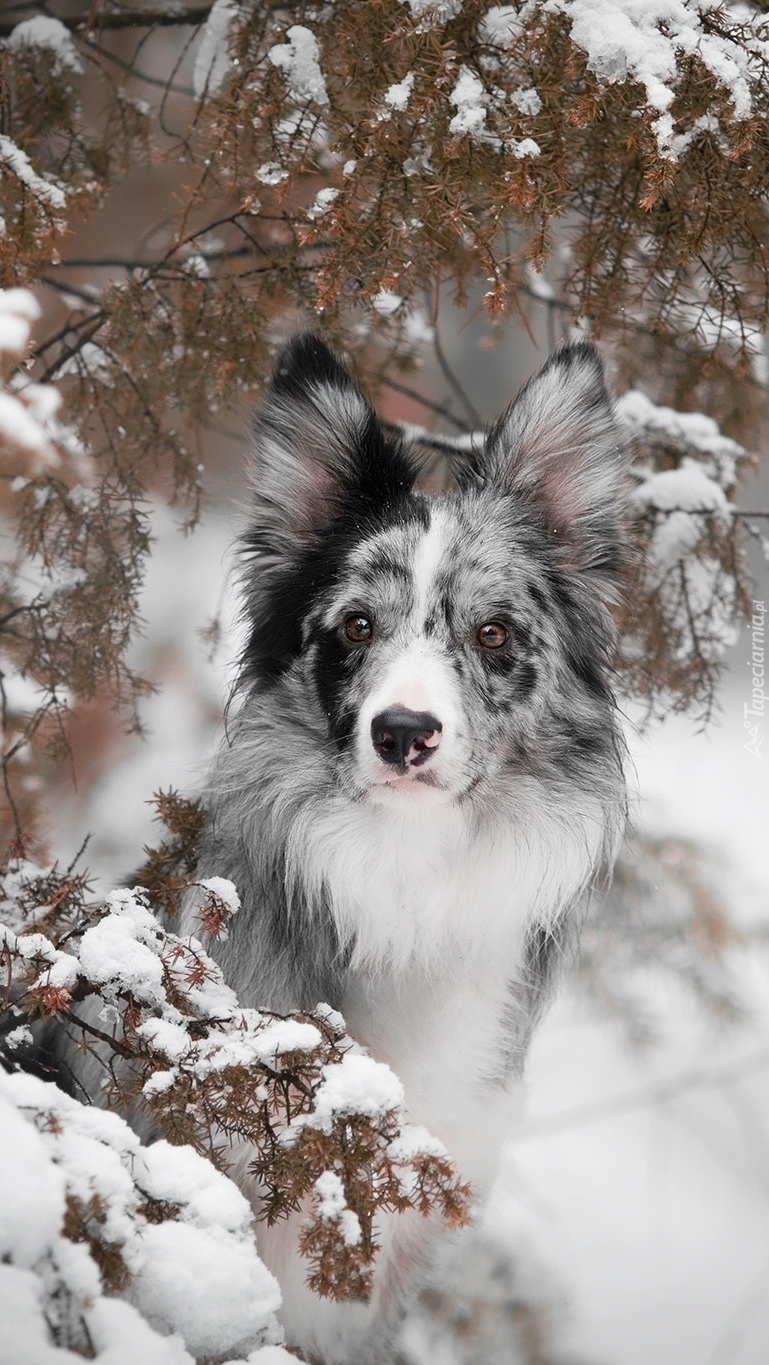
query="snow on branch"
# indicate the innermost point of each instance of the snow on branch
(649, 43)
(107, 1243)
(321, 1123)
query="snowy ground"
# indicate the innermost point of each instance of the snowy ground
(644, 1183)
(651, 1207)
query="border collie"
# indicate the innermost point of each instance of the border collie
(425, 776)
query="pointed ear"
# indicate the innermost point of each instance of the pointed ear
(318, 446)
(558, 446)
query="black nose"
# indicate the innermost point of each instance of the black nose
(401, 736)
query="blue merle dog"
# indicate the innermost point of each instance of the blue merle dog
(425, 776)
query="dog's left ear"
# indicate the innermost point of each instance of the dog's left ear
(558, 447)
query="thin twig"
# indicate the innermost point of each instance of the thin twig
(452, 380)
(439, 408)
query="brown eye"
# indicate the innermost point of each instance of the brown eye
(358, 629)
(492, 635)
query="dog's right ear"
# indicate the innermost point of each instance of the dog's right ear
(319, 447)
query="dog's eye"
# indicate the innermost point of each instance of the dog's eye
(358, 629)
(492, 635)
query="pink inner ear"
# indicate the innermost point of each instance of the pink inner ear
(560, 492)
(314, 494)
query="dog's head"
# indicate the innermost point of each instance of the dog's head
(435, 647)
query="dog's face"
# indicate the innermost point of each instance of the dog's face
(445, 645)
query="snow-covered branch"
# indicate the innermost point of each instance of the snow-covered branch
(294, 1095)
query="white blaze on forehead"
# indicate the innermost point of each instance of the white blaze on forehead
(418, 680)
(430, 552)
(417, 677)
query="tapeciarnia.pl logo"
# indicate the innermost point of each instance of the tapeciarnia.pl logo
(753, 711)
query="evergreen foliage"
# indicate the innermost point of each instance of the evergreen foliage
(358, 164)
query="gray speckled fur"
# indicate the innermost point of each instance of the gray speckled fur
(453, 907)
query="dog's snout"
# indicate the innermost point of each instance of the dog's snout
(405, 737)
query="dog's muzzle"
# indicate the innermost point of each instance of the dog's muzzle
(405, 738)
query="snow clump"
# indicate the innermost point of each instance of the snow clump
(332, 1207)
(212, 62)
(397, 96)
(469, 98)
(50, 34)
(60, 1159)
(624, 40)
(299, 60)
(356, 1085)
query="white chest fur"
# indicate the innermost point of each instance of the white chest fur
(435, 913)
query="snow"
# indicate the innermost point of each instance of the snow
(692, 429)
(655, 1218)
(50, 34)
(679, 493)
(18, 310)
(18, 1037)
(224, 890)
(22, 423)
(42, 400)
(24, 1339)
(386, 302)
(255, 1038)
(90, 359)
(502, 25)
(63, 972)
(287, 1035)
(333, 1018)
(332, 1207)
(122, 1337)
(397, 96)
(271, 173)
(175, 1260)
(115, 954)
(212, 62)
(322, 202)
(45, 190)
(415, 1141)
(470, 99)
(417, 330)
(268, 1355)
(356, 1085)
(687, 488)
(18, 426)
(182, 1176)
(27, 410)
(31, 1190)
(434, 13)
(644, 40)
(527, 101)
(51, 1147)
(526, 147)
(299, 60)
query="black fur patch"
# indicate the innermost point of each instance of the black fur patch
(276, 636)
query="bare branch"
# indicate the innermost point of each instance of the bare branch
(150, 17)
